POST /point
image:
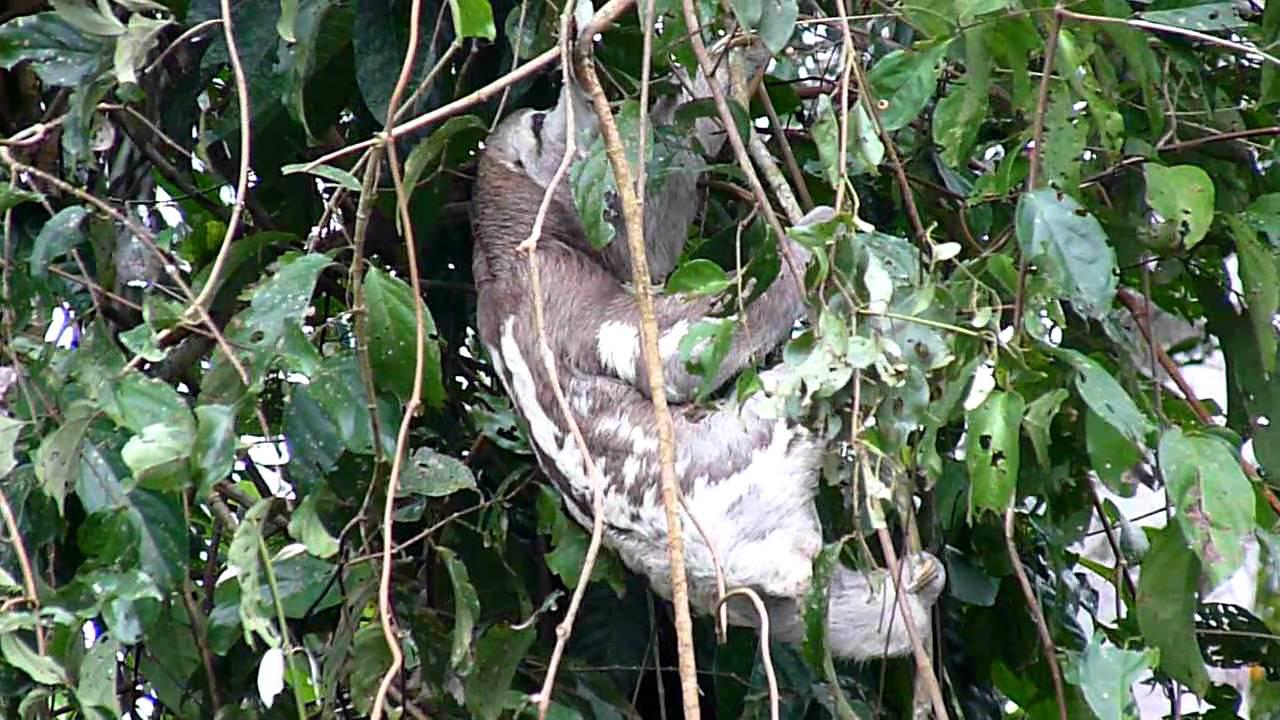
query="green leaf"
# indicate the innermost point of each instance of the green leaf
(1261, 279)
(60, 55)
(1106, 397)
(393, 336)
(569, 546)
(992, 450)
(9, 431)
(10, 195)
(58, 236)
(99, 672)
(434, 474)
(473, 18)
(1213, 498)
(1206, 17)
(58, 459)
(160, 456)
(1040, 414)
(466, 607)
(100, 21)
(1105, 675)
(903, 82)
(1183, 196)
(825, 564)
(698, 277)
(498, 654)
(214, 451)
(287, 20)
(132, 47)
(425, 152)
(968, 10)
(42, 668)
(244, 556)
(1111, 454)
(338, 176)
(1166, 607)
(1070, 246)
(778, 23)
(1065, 134)
(306, 527)
(278, 303)
(959, 115)
(595, 194)
(748, 12)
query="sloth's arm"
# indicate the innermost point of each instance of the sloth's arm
(615, 337)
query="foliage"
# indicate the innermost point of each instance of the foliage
(200, 513)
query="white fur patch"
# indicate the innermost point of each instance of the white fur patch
(669, 341)
(619, 346)
(525, 392)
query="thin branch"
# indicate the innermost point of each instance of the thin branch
(144, 236)
(1175, 30)
(1047, 647)
(530, 246)
(1033, 171)
(788, 157)
(765, 656)
(242, 179)
(24, 562)
(599, 23)
(924, 666)
(899, 170)
(649, 347)
(385, 612)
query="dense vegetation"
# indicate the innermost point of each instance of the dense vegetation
(1031, 194)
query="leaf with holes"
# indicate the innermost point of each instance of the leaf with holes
(992, 450)
(1183, 198)
(1213, 498)
(903, 82)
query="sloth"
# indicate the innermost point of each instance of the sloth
(748, 478)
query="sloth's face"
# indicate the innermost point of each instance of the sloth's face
(518, 142)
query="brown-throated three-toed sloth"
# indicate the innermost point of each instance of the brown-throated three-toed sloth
(747, 478)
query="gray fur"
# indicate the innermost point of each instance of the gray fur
(748, 477)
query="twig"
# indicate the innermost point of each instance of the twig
(200, 635)
(602, 19)
(1136, 308)
(788, 157)
(529, 246)
(924, 666)
(146, 237)
(419, 360)
(891, 148)
(285, 640)
(242, 180)
(1037, 614)
(765, 656)
(1033, 170)
(1175, 30)
(24, 562)
(649, 347)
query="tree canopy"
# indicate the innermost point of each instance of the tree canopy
(213, 359)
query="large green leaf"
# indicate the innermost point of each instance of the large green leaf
(1183, 196)
(904, 81)
(1070, 246)
(1166, 607)
(1213, 499)
(393, 336)
(1107, 398)
(59, 54)
(1106, 674)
